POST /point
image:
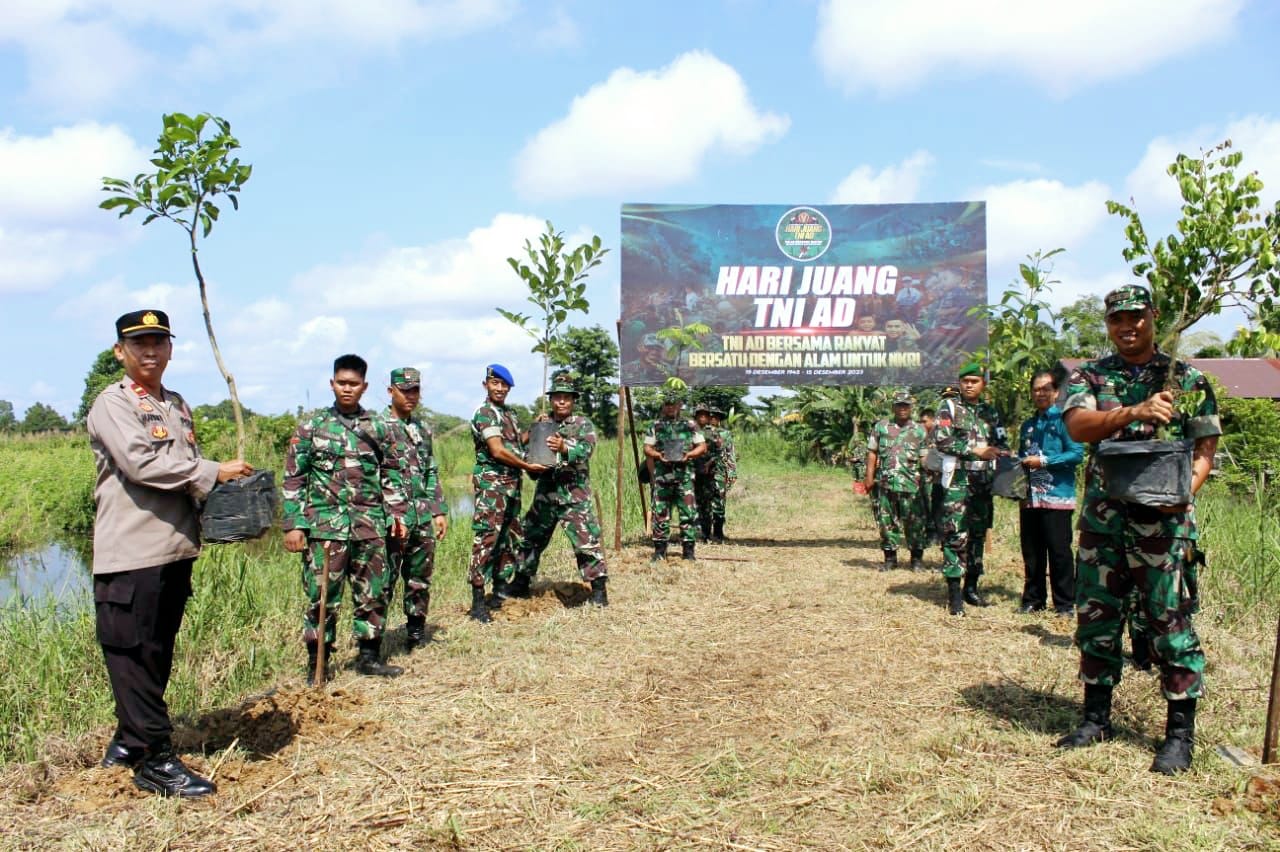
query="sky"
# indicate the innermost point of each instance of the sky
(403, 149)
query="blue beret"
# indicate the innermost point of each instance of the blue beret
(500, 372)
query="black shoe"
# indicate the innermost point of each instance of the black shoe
(479, 611)
(519, 586)
(659, 552)
(369, 662)
(415, 633)
(1174, 754)
(1096, 726)
(917, 560)
(499, 591)
(890, 560)
(717, 531)
(311, 663)
(686, 551)
(955, 601)
(971, 595)
(599, 591)
(1027, 608)
(118, 754)
(165, 774)
(1064, 610)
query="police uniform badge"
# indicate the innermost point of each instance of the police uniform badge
(159, 432)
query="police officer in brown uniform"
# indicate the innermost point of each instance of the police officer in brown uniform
(146, 537)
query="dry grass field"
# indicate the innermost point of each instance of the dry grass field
(778, 694)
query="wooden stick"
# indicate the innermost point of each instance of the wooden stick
(322, 647)
(617, 491)
(635, 452)
(1273, 707)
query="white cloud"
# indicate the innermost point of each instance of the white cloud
(83, 52)
(1026, 215)
(895, 45)
(892, 184)
(641, 130)
(1257, 136)
(559, 33)
(50, 186)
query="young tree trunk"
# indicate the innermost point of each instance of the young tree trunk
(217, 354)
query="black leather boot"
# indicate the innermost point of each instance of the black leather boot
(1174, 754)
(118, 754)
(415, 632)
(519, 585)
(917, 560)
(659, 552)
(686, 551)
(1096, 726)
(717, 531)
(890, 560)
(369, 662)
(162, 772)
(311, 663)
(500, 592)
(971, 595)
(955, 600)
(600, 591)
(479, 610)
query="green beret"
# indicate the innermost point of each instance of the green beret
(973, 368)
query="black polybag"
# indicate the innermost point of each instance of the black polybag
(241, 509)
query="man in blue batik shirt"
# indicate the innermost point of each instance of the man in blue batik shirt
(1050, 458)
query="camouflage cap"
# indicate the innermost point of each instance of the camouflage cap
(1130, 297)
(702, 407)
(903, 397)
(717, 411)
(563, 382)
(672, 395)
(406, 378)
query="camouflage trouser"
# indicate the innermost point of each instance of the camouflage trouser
(414, 560)
(674, 490)
(1162, 570)
(364, 564)
(580, 527)
(710, 498)
(979, 508)
(495, 528)
(722, 494)
(899, 514)
(952, 528)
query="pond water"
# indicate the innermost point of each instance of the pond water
(57, 571)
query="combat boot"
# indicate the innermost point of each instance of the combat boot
(369, 662)
(600, 591)
(162, 772)
(717, 531)
(1174, 754)
(519, 585)
(415, 632)
(119, 754)
(500, 592)
(917, 560)
(479, 611)
(686, 551)
(659, 552)
(311, 663)
(955, 600)
(1096, 726)
(890, 560)
(971, 595)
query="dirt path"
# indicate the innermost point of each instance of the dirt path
(778, 695)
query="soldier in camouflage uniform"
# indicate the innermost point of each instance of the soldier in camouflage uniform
(894, 448)
(980, 504)
(343, 494)
(563, 494)
(930, 492)
(673, 480)
(426, 519)
(726, 475)
(960, 439)
(1125, 545)
(496, 476)
(704, 471)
